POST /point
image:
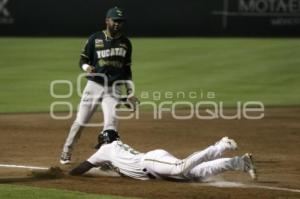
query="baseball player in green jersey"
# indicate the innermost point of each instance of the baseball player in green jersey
(106, 58)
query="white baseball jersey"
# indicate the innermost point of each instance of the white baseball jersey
(127, 160)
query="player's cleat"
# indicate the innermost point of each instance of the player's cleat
(228, 143)
(65, 158)
(249, 165)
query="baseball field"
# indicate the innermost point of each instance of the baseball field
(39, 82)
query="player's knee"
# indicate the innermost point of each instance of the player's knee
(179, 169)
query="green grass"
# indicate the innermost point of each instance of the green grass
(24, 192)
(264, 70)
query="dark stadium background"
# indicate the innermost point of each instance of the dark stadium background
(153, 18)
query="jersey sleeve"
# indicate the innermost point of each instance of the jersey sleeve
(87, 54)
(102, 155)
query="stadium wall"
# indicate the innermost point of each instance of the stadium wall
(152, 18)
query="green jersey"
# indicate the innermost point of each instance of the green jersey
(110, 56)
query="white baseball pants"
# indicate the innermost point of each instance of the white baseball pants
(197, 166)
(93, 95)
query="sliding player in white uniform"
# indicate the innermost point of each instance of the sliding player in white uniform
(159, 164)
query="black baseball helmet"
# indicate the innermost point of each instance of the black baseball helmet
(106, 137)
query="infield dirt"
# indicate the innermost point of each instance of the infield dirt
(36, 139)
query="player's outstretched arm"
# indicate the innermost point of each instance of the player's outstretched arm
(81, 169)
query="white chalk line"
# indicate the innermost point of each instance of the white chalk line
(22, 167)
(227, 184)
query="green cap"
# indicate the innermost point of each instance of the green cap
(115, 13)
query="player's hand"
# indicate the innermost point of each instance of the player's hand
(90, 69)
(133, 102)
